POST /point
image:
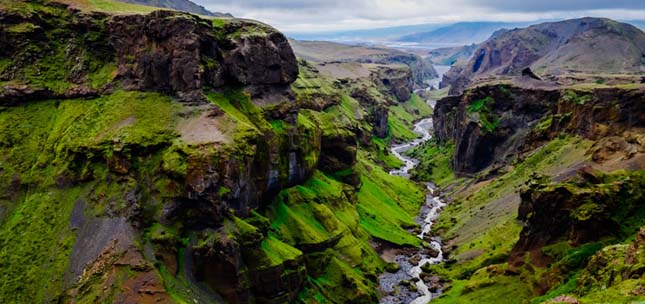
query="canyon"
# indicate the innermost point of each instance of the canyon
(157, 156)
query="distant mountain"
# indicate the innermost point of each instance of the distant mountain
(325, 51)
(180, 5)
(587, 45)
(378, 34)
(460, 33)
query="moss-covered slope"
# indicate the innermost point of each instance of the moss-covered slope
(148, 158)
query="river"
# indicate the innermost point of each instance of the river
(441, 69)
(411, 261)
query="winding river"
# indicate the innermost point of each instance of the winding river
(410, 262)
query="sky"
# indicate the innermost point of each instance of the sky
(298, 16)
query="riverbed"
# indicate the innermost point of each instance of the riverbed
(397, 286)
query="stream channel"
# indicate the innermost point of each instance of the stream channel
(426, 287)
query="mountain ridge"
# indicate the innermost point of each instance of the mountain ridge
(180, 5)
(584, 45)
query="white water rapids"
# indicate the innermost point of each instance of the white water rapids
(427, 216)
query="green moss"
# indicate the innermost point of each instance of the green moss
(102, 76)
(311, 85)
(480, 104)
(113, 6)
(347, 113)
(55, 143)
(572, 96)
(320, 213)
(556, 154)
(180, 289)
(399, 130)
(481, 111)
(388, 204)
(338, 279)
(383, 156)
(567, 288)
(402, 116)
(174, 161)
(278, 126)
(486, 288)
(248, 119)
(279, 252)
(587, 211)
(238, 105)
(544, 124)
(434, 163)
(622, 292)
(218, 23)
(438, 94)
(24, 27)
(479, 222)
(36, 241)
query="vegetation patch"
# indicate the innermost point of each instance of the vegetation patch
(572, 96)
(434, 163)
(481, 110)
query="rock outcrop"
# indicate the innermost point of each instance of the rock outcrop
(166, 157)
(398, 81)
(163, 51)
(492, 124)
(577, 213)
(615, 265)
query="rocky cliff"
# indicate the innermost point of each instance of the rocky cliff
(543, 188)
(165, 158)
(587, 45)
(164, 51)
(490, 125)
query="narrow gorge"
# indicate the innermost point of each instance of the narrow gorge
(150, 155)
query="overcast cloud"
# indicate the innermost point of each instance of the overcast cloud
(328, 15)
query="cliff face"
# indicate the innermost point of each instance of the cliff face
(491, 124)
(164, 51)
(169, 158)
(578, 212)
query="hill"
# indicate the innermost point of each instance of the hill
(324, 51)
(180, 5)
(170, 158)
(460, 33)
(377, 34)
(586, 45)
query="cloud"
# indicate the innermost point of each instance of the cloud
(329, 15)
(559, 5)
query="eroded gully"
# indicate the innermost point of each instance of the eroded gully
(397, 287)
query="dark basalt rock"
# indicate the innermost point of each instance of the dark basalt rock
(578, 213)
(165, 51)
(339, 153)
(397, 79)
(175, 52)
(378, 115)
(529, 73)
(223, 264)
(526, 118)
(254, 53)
